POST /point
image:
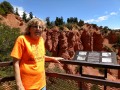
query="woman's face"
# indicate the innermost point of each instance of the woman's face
(36, 31)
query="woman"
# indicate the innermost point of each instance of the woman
(29, 57)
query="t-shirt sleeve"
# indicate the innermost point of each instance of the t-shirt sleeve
(17, 50)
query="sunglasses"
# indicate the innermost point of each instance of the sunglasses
(37, 27)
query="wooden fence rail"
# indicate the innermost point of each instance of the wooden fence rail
(89, 79)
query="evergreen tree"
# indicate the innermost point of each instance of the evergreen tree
(7, 7)
(30, 15)
(81, 23)
(24, 17)
(48, 21)
(72, 20)
(75, 20)
(16, 12)
(59, 21)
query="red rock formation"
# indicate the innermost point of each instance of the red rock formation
(71, 44)
(55, 38)
(66, 43)
(74, 43)
(86, 41)
(97, 42)
(13, 21)
(48, 42)
(63, 45)
(78, 44)
(112, 37)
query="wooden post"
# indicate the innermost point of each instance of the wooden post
(118, 69)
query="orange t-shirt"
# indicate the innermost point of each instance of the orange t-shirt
(31, 54)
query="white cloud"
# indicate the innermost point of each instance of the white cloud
(116, 28)
(90, 20)
(113, 13)
(20, 10)
(102, 18)
(99, 19)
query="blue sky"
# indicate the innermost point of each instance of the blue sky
(100, 12)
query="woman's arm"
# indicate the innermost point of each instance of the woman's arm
(53, 59)
(17, 74)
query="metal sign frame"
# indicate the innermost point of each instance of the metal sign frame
(96, 57)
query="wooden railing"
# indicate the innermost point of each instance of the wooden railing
(81, 78)
(5, 64)
(98, 80)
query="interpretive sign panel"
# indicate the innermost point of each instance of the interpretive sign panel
(96, 57)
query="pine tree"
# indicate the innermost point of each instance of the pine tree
(24, 17)
(16, 12)
(30, 15)
(7, 7)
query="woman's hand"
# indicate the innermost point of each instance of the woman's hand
(56, 59)
(53, 59)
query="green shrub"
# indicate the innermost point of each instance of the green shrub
(2, 12)
(95, 87)
(61, 84)
(8, 36)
